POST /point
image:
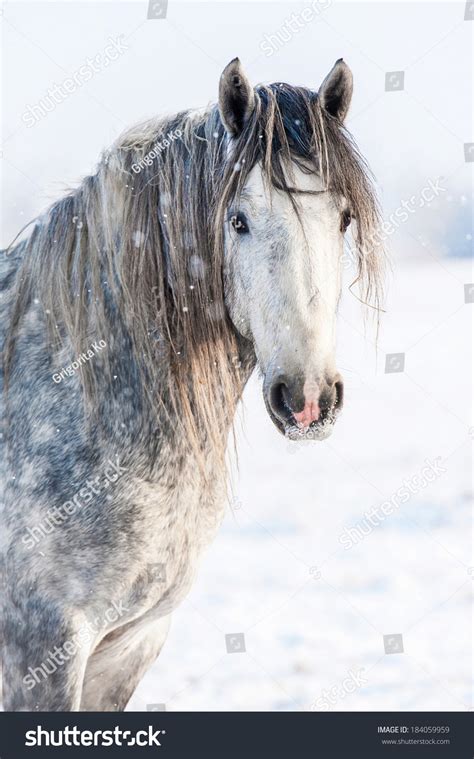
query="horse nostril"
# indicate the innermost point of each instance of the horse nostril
(280, 401)
(331, 399)
(339, 397)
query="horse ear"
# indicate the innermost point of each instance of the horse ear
(335, 93)
(236, 98)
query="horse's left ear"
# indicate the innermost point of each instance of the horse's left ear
(236, 98)
(335, 93)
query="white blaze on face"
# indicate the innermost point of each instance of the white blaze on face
(285, 276)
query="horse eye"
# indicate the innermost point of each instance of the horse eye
(239, 223)
(346, 220)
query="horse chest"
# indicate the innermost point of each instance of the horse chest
(175, 526)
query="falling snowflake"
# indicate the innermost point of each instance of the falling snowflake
(197, 267)
(138, 238)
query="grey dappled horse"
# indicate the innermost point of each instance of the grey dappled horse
(132, 316)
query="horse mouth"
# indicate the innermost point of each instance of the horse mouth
(317, 430)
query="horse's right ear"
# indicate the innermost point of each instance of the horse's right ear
(236, 98)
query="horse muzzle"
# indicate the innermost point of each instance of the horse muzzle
(302, 408)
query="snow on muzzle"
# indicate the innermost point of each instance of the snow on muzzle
(303, 408)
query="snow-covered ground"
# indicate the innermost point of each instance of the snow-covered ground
(313, 611)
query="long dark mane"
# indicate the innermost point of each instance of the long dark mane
(148, 245)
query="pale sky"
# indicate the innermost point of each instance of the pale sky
(409, 137)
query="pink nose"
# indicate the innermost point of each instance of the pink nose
(309, 414)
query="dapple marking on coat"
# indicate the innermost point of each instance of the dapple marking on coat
(221, 254)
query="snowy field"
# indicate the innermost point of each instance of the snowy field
(313, 611)
(312, 606)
